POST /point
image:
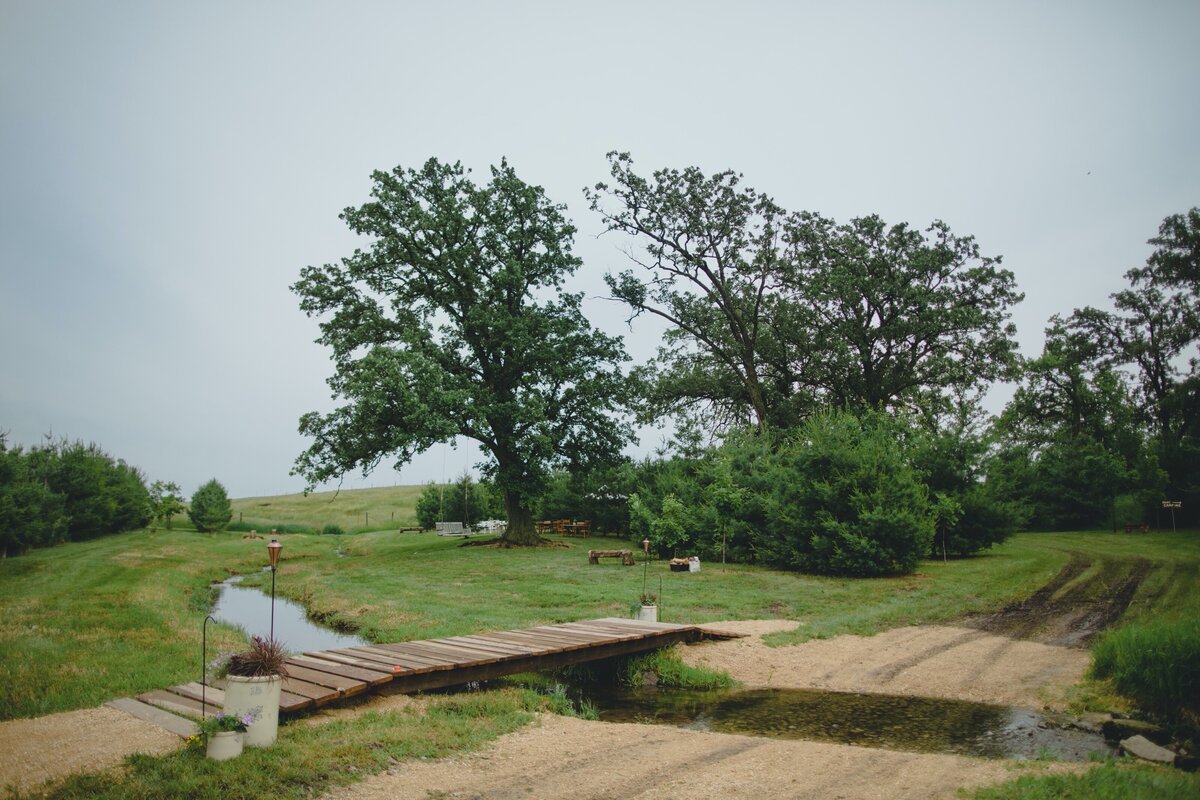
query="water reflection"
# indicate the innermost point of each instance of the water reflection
(250, 609)
(888, 721)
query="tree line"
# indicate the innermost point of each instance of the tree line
(825, 377)
(65, 491)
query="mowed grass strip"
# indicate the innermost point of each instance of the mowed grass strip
(86, 622)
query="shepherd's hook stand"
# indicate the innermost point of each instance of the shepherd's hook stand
(204, 663)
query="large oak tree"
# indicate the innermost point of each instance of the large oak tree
(454, 322)
(775, 315)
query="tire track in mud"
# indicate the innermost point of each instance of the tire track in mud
(1082, 600)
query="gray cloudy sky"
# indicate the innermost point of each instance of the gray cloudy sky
(169, 167)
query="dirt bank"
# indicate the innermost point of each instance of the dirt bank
(953, 662)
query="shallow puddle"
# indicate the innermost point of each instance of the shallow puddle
(871, 720)
(250, 610)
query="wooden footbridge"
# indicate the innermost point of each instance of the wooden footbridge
(319, 678)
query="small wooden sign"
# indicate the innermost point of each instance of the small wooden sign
(1172, 504)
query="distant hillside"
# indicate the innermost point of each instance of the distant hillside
(351, 509)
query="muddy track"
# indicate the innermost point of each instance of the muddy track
(1085, 597)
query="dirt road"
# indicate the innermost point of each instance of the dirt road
(569, 758)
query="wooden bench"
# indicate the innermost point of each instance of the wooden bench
(626, 556)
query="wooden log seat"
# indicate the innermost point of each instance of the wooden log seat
(626, 556)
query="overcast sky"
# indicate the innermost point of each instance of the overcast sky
(169, 167)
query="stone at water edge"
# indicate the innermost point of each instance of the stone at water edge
(1147, 750)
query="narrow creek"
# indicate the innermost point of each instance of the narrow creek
(250, 610)
(870, 720)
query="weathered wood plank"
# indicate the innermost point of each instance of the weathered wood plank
(590, 628)
(495, 645)
(179, 726)
(565, 636)
(413, 660)
(543, 646)
(599, 631)
(638, 623)
(206, 694)
(318, 694)
(359, 659)
(389, 650)
(345, 686)
(176, 703)
(459, 654)
(422, 651)
(374, 677)
(580, 638)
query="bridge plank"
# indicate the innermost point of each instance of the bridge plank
(374, 677)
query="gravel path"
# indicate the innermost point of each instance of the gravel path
(90, 740)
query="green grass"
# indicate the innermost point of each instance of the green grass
(385, 508)
(84, 623)
(1156, 662)
(1114, 781)
(670, 671)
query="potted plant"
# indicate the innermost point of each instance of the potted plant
(223, 734)
(253, 679)
(648, 611)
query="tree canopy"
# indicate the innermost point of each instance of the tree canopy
(454, 322)
(775, 315)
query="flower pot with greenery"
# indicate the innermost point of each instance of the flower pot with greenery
(648, 611)
(223, 734)
(253, 680)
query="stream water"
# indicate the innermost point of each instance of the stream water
(871, 720)
(250, 610)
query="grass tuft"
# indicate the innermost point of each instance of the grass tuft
(1113, 781)
(671, 672)
(1157, 663)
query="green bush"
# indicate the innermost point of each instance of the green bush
(1155, 663)
(210, 509)
(972, 514)
(841, 499)
(66, 491)
(983, 519)
(332, 530)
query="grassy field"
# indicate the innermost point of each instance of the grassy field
(384, 508)
(86, 622)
